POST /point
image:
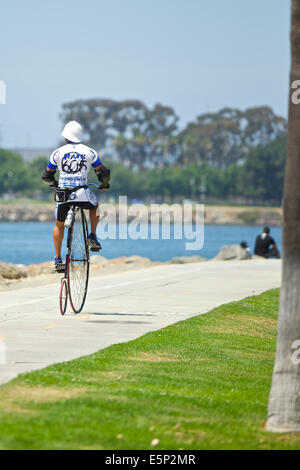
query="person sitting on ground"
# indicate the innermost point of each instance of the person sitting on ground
(265, 245)
(246, 249)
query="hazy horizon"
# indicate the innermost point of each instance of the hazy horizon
(195, 56)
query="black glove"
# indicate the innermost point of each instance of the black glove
(103, 175)
(48, 178)
(104, 186)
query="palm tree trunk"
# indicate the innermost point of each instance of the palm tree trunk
(284, 400)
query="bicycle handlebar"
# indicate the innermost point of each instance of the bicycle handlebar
(56, 188)
(70, 190)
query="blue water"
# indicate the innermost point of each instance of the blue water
(31, 242)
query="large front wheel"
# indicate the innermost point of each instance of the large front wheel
(78, 261)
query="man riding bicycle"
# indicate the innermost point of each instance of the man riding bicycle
(74, 161)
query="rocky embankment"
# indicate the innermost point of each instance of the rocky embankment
(11, 273)
(26, 212)
(214, 215)
(14, 273)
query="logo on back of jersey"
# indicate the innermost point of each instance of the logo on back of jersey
(73, 162)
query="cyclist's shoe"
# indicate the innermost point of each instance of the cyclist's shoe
(94, 243)
(59, 265)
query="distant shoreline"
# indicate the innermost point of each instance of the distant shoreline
(214, 215)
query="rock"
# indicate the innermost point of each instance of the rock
(10, 271)
(116, 261)
(126, 260)
(98, 261)
(21, 266)
(2, 281)
(137, 259)
(43, 268)
(229, 252)
(187, 259)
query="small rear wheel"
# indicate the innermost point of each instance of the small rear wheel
(63, 296)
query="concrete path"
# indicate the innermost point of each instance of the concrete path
(119, 307)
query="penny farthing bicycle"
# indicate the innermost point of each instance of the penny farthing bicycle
(74, 284)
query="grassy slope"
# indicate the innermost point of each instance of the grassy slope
(199, 384)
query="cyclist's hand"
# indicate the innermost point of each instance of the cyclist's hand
(104, 187)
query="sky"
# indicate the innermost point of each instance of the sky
(196, 56)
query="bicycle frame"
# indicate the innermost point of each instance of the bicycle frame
(65, 290)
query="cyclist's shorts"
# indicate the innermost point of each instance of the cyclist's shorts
(83, 198)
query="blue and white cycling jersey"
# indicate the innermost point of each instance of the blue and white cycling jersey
(73, 162)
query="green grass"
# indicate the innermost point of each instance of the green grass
(199, 384)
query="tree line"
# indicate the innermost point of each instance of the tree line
(145, 138)
(256, 180)
(228, 155)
